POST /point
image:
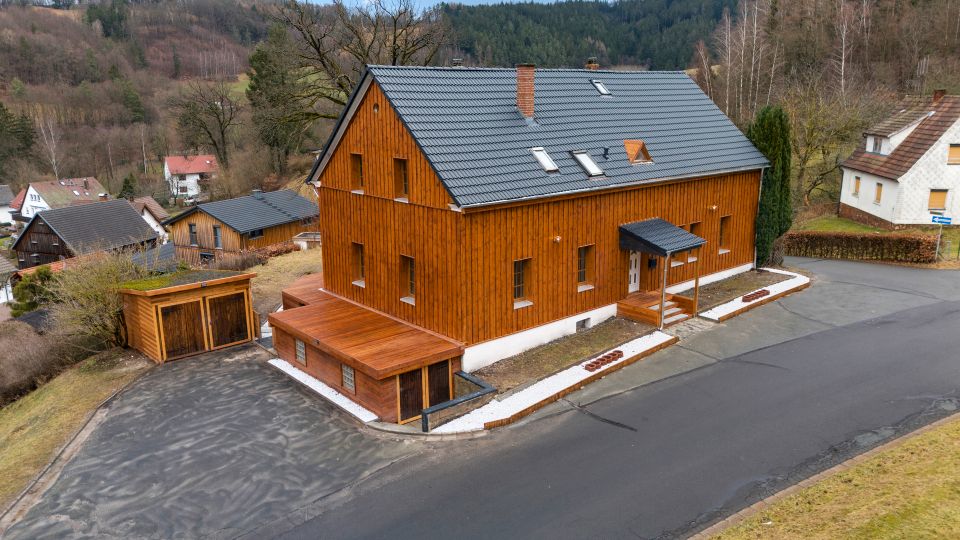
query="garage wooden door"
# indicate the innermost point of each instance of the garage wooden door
(228, 319)
(182, 327)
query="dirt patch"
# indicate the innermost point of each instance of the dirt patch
(729, 289)
(537, 363)
(4, 312)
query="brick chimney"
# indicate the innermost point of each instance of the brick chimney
(525, 89)
(938, 94)
(592, 63)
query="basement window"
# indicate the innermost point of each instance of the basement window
(544, 159)
(585, 161)
(602, 88)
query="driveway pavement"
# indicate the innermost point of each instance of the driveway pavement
(220, 448)
(212, 446)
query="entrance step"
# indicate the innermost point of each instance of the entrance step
(672, 311)
(666, 306)
(680, 317)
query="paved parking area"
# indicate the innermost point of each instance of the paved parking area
(218, 446)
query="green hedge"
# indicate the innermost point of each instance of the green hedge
(912, 248)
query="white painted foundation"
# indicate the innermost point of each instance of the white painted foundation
(483, 354)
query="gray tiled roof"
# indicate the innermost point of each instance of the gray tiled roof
(258, 211)
(658, 237)
(467, 123)
(97, 226)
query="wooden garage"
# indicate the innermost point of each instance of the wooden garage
(176, 315)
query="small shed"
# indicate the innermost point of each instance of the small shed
(176, 315)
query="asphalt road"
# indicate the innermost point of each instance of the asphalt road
(873, 354)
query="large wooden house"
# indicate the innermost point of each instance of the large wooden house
(225, 230)
(470, 214)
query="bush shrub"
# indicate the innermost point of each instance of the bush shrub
(29, 358)
(912, 248)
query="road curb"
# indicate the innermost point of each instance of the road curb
(761, 505)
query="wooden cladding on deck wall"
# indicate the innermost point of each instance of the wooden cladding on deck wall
(465, 260)
(40, 239)
(380, 137)
(496, 238)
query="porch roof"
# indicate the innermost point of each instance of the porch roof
(367, 340)
(657, 237)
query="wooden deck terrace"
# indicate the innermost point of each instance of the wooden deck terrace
(644, 307)
(367, 340)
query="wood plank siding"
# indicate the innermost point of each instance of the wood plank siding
(464, 260)
(40, 245)
(232, 241)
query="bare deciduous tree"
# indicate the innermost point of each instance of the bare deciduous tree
(338, 40)
(206, 116)
(50, 138)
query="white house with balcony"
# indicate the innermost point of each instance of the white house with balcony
(909, 166)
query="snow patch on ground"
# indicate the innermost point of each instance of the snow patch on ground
(518, 401)
(715, 313)
(337, 398)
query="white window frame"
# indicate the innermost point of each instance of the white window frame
(544, 159)
(601, 87)
(587, 163)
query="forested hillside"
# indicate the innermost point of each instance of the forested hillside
(836, 67)
(659, 34)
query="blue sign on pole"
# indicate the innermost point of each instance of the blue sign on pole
(942, 220)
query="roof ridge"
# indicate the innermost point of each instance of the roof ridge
(511, 69)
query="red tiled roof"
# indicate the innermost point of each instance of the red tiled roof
(17, 201)
(946, 112)
(191, 164)
(69, 191)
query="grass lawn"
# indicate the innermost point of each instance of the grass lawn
(34, 427)
(535, 364)
(909, 491)
(277, 274)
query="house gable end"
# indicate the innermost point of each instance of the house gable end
(372, 128)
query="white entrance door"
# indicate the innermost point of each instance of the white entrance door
(634, 273)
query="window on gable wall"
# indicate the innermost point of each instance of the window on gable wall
(878, 194)
(401, 182)
(217, 237)
(358, 264)
(937, 203)
(408, 284)
(192, 228)
(953, 155)
(856, 186)
(356, 172)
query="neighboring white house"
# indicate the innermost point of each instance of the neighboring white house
(186, 175)
(153, 214)
(42, 196)
(909, 166)
(6, 198)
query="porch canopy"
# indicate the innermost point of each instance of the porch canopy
(662, 239)
(657, 237)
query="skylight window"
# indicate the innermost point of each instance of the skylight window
(585, 161)
(602, 88)
(545, 160)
